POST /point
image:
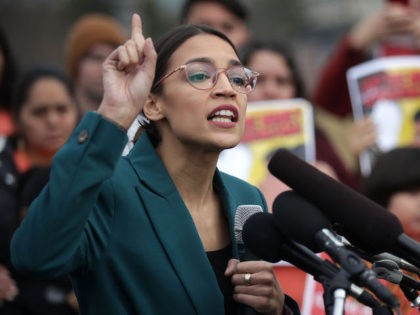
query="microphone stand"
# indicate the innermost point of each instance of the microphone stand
(354, 266)
(335, 292)
(339, 300)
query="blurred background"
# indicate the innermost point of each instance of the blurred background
(37, 28)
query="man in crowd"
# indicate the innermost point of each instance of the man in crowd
(90, 40)
(228, 16)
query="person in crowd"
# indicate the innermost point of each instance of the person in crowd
(280, 79)
(394, 183)
(357, 46)
(363, 42)
(8, 74)
(228, 16)
(135, 233)
(40, 295)
(45, 114)
(89, 41)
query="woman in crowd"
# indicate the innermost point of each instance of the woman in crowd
(151, 233)
(45, 114)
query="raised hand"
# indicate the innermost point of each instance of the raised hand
(392, 20)
(128, 76)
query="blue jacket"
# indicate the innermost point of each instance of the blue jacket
(119, 227)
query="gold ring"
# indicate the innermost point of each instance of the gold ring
(247, 279)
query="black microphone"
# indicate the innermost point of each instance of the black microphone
(303, 222)
(242, 214)
(263, 238)
(389, 270)
(401, 263)
(366, 224)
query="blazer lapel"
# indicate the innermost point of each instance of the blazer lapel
(175, 228)
(229, 206)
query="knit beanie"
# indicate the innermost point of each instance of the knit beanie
(87, 31)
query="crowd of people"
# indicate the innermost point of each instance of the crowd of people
(114, 199)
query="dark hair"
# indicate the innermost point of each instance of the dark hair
(280, 48)
(27, 81)
(8, 76)
(395, 171)
(233, 6)
(165, 47)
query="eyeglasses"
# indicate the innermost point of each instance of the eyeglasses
(203, 76)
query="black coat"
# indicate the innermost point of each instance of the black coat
(9, 178)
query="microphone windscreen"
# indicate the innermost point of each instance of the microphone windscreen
(298, 219)
(364, 223)
(262, 238)
(265, 241)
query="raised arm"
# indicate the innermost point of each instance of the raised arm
(67, 227)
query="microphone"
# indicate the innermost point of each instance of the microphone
(263, 238)
(301, 221)
(364, 222)
(389, 270)
(401, 263)
(242, 214)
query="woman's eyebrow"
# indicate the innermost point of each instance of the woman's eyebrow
(232, 62)
(235, 62)
(200, 59)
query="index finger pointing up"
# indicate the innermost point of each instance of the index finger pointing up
(136, 27)
(137, 33)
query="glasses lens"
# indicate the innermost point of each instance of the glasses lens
(242, 79)
(200, 75)
(203, 76)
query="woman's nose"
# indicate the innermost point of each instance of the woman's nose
(223, 85)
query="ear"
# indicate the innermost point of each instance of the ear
(152, 109)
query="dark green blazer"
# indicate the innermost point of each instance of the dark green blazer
(119, 227)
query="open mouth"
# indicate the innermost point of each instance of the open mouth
(224, 115)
